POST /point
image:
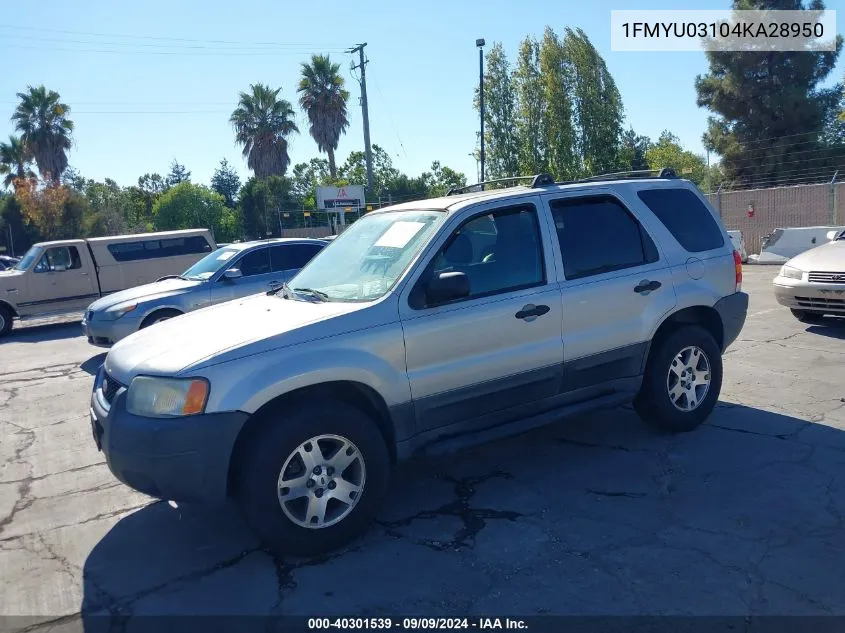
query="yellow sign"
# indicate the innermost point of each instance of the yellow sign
(347, 208)
(369, 207)
(306, 214)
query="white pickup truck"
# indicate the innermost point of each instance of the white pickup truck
(64, 277)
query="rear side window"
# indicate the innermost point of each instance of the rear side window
(598, 235)
(292, 256)
(686, 218)
(154, 249)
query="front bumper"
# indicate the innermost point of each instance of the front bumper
(802, 295)
(732, 309)
(107, 333)
(178, 459)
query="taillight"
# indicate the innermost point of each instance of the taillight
(738, 269)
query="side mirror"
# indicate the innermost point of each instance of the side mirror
(446, 287)
(58, 268)
(232, 274)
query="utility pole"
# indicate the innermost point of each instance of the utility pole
(480, 44)
(368, 153)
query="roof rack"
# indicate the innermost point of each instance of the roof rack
(539, 180)
(666, 172)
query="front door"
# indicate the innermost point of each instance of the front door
(483, 358)
(288, 259)
(256, 277)
(616, 290)
(58, 283)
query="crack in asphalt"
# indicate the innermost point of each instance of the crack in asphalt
(473, 520)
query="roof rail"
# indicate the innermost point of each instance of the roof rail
(539, 180)
(666, 172)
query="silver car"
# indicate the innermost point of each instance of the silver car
(812, 284)
(228, 273)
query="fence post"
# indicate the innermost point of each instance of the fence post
(719, 199)
(832, 199)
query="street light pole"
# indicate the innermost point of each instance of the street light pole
(480, 44)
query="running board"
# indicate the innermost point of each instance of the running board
(459, 442)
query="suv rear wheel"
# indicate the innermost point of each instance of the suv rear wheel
(682, 380)
(311, 479)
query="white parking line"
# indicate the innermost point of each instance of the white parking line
(763, 312)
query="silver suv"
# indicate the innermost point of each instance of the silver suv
(438, 322)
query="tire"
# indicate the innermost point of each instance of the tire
(6, 317)
(807, 317)
(158, 317)
(655, 405)
(272, 447)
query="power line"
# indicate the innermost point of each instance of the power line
(211, 53)
(390, 118)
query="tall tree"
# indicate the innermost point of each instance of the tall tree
(178, 173)
(500, 133)
(769, 108)
(667, 152)
(597, 105)
(187, 205)
(14, 161)
(385, 175)
(42, 119)
(530, 107)
(632, 151)
(306, 177)
(558, 128)
(323, 98)
(263, 122)
(226, 182)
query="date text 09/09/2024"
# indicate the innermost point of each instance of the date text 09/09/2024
(416, 624)
(750, 30)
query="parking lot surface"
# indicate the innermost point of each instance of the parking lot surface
(595, 515)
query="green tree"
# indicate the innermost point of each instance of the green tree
(14, 161)
(530, 108)
(262, 201)
(226, 182)
(557, 121)
(596, 105)
(443, 178)
(152, 184)
(306, 177)
(323, 98)
(667, 152)
(42, 120)
(178, 173)
(23, 233)
(632, 151)
(263, 122)
(385, 175)
(187, 205)
(769, 107)
(500, 132)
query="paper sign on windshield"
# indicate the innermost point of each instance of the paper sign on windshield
(225, 255)
(398, 235)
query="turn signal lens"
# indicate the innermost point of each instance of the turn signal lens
(738, 269)
(195, 398)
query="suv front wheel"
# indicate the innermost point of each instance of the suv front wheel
(682, 380)
(311, 478)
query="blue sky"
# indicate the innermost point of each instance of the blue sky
(162, 98)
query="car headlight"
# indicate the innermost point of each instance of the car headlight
(166, 397)
(119, 311)
(791, 272)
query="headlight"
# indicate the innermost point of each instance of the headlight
(119, 311)
(791, 272)
(166, 397)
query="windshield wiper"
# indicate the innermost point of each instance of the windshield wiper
(322, 296)
(283, 289)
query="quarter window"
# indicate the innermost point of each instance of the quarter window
(686, 218)
(599, 235)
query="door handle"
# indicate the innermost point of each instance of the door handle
(646, 286)
(84, 274)
(531, 310)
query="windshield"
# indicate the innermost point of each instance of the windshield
(364, 262)
(31, 255)
(210, 264)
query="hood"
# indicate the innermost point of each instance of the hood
(218, 333)
(828, 257)
(155, 290)
(10, 280)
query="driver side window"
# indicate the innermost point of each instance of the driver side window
(499, 252)
(255, 263)
(58, 258)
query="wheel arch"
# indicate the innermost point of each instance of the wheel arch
(703, 316)
(8, 306)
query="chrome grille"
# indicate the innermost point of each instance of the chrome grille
(110, 388)
(823, 303)
(822, 277)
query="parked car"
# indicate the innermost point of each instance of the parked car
(232, 272)
(63, 277)
(431, 323)
(7, 262)
(812, 284)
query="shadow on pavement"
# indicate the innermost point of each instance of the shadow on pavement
(831, 327)
(91, 365)
(37, 333)
(596, 515)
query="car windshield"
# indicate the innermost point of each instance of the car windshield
(210, 264)
(31, 255)
(364, 262)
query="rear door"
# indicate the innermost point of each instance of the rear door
(288, 259)
(483, 359)
(59, 283)
(616, 287)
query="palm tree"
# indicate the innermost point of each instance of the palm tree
(322, 96)
(41, 118)
(262, 123)
(14, 161)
